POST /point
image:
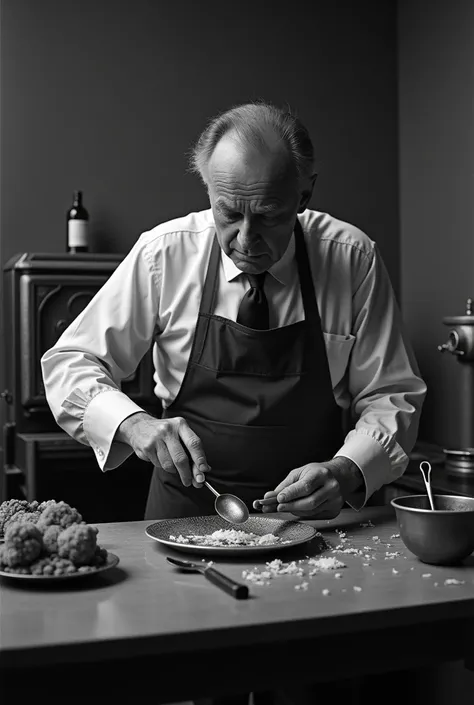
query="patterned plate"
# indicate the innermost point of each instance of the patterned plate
(112, 561)
(290, 533)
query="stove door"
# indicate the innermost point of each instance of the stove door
(48, 304)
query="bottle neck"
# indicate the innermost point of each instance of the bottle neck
(77, 198)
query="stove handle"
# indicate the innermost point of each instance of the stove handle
(9, 444)
(7, 395)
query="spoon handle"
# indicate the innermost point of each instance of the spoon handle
(237, 590)
(211, 488)
(427, 481)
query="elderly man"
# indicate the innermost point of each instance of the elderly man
(268, 322)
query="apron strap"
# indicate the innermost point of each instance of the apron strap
(208, 300)
(209, 292)
(311, 311)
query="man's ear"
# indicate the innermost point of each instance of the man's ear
(307, 193)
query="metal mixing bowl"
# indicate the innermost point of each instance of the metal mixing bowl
(441, 537)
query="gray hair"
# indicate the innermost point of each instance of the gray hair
(249, 121)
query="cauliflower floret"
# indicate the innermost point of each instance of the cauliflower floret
(59, 513)
(23, 544)
(52, 566)
(78, 543)
(47, 503)
(50, 538)
(9, 508)
(23, 517)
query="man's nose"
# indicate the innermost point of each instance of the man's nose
(246, 237)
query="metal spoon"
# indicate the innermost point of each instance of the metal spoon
(427, 482)
(237, 590)
(229, 507)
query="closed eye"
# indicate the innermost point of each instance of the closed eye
(270, 217)
(231, 217)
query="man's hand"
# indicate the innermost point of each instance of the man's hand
(168, 443)
(314, 491)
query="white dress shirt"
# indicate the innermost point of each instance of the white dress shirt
(153, 298)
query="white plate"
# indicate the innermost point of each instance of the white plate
(112, 561)
(291, 533)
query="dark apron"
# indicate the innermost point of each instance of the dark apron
(260, 401)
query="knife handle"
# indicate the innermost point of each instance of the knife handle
(237, 590)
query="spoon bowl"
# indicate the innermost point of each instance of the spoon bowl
(229, 507)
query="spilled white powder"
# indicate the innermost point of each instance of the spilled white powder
(302, 586)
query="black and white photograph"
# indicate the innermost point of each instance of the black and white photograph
(237, 352)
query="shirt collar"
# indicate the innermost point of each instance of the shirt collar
(281, 270)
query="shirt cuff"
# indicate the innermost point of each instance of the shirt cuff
(372, 460)
(103, 415)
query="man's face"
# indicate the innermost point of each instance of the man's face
(254, 197)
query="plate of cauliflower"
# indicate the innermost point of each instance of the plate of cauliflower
(49, 541)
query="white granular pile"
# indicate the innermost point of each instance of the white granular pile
(453, 581)
(325, 563)
(274, 568)
(277, 567)
(357, 551)
(228, 537)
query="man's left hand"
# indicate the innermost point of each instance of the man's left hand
(314, 491)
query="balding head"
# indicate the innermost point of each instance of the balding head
(262, 126)
(266, 160)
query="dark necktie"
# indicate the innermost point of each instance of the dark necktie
(253, 309)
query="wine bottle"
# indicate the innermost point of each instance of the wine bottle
(77, 226)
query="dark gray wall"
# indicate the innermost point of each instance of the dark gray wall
(108, 97)
(436, 53)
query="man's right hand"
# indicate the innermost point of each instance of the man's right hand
(167, 443)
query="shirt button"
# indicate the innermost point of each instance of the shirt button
(100, 454)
